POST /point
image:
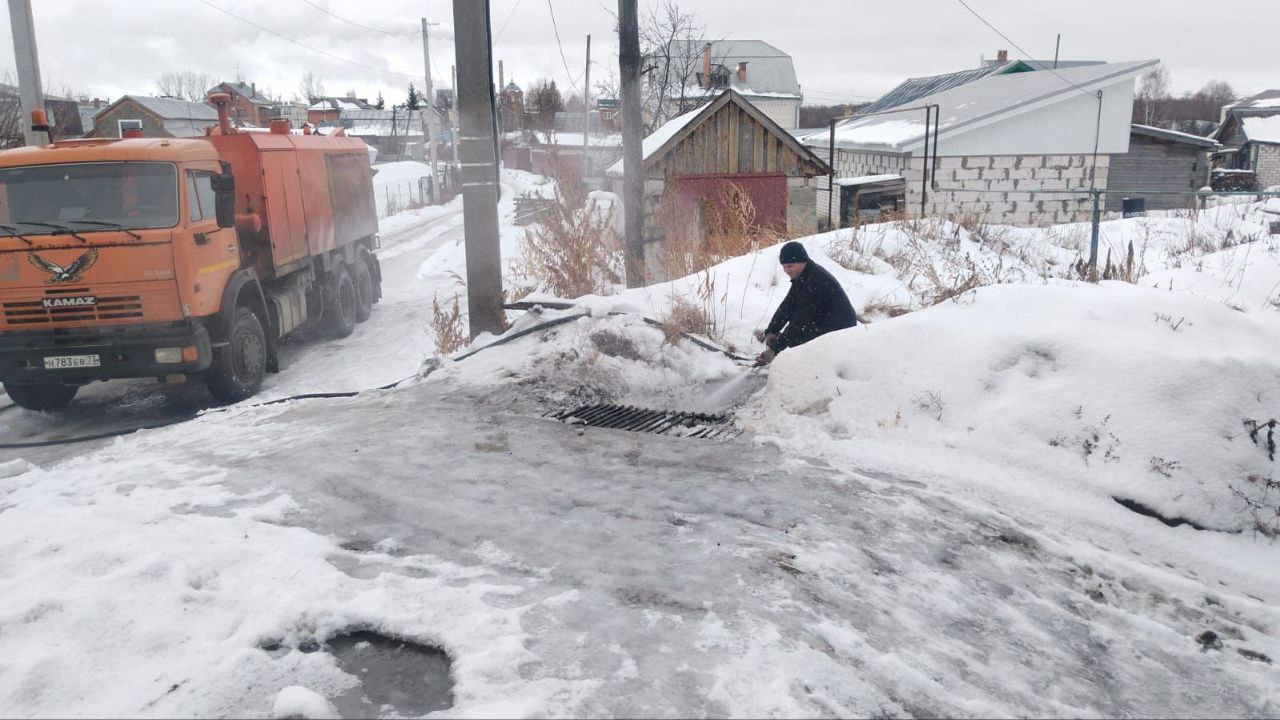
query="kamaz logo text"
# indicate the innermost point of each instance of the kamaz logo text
(69, 302)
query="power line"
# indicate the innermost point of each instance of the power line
(556, 27)
(507, 21)
(1026, 55)
(304, 45)
(356, 24)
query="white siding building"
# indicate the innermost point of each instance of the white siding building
(1015, 147)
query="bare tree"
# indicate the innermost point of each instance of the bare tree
(1150, 107)
(311, 87)
(185, 84)
(544, 101)
(671, 43)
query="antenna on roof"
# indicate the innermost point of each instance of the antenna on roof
(1056, 46)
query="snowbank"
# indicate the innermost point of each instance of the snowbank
(1064, 394)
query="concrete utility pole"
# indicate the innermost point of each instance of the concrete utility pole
(428, 110)
(502, 93)
(28, 62)
(586, 115)
(479, 168)
(632, 156)
(453, 111)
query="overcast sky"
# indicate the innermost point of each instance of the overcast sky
(844, 50)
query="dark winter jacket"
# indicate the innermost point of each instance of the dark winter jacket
(815, 305)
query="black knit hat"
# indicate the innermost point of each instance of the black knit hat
(793, 252)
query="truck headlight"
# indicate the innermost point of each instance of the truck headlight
(168, 356)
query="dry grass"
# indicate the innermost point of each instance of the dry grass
(574, 251)
(685, 315)
(448, 327)
(723, 228)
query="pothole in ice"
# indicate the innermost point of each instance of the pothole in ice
(397, 677)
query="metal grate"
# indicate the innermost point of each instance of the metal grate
(658, 422)
(33, 312)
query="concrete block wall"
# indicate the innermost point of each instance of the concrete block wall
(1268, 167)
(1008, 189)
(851, 163)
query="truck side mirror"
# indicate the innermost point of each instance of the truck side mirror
(225, 208)
(224, 182)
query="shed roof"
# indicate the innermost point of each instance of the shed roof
(1173, 136)
(977, 103)
(660, 141)
(1261, 129)
(174, 108)
(1267, 99)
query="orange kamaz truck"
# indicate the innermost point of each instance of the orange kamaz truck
(178, 258)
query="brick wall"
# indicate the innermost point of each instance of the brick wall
(1268, 168)
(1009, 189)
(105, 124)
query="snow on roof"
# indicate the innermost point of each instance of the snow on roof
(1174, 135)
(1264, 99)
(659, 137)
(866, 180)
(1262, 129)
(977, 101)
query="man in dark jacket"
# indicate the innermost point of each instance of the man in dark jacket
(815, 305)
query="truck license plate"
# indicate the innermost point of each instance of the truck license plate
(64, 362)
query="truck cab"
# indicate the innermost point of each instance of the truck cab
(139, 258)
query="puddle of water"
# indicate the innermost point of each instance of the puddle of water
(396, 676)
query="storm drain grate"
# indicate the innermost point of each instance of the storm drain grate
(658, 422)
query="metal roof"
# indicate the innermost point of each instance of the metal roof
(978, 102)
(1045, 64)
(769, 70)
(913, 89)
(1265, 100)
(175, 109)
(1174, 136)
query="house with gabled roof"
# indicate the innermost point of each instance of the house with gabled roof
(699, 70)
(247, 104)
(1250, 137)
(725, 152)
(331, 109)
(1015, 145)
(155, 117)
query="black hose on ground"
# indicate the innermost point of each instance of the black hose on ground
(328, 396)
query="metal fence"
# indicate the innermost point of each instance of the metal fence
(400, 195)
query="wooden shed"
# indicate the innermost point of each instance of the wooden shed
(719, 158)
(1160, 160)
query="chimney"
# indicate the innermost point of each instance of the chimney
(254, 86)
(706, 65)
(742, 72)
(97, 103)
(1002, 56)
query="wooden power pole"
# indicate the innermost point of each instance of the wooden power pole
(479, 165)
(28, 62)
(632, 138)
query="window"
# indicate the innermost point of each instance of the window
(201, 201)
(123, 125)
(132, 195)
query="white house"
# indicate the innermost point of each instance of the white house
(698, 71)
(1020, 145)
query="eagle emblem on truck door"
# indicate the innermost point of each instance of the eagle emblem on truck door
(68, 274)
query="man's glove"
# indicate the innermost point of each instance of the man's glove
(765, 358)
(760, 335)
(766, 337)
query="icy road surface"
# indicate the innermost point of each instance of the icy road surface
(589, 572)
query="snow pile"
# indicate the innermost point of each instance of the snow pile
(1055, 396)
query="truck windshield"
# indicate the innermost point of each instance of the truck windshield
(129, 195)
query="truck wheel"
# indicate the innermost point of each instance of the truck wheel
(239, 366)
(364, 289)
(45, 396)
(340, 311)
